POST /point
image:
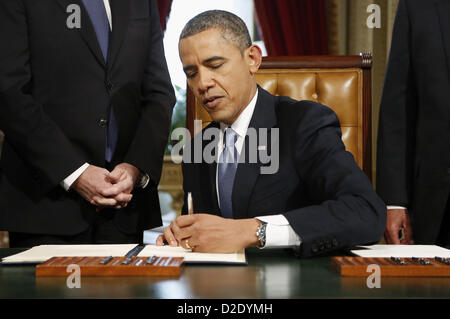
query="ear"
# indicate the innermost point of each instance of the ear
(254, 58)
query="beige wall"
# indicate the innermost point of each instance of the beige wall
(349, 35)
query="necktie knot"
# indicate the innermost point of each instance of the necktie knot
(229, 153)
(230, 137)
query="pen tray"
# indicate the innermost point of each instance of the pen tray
(359, 267)
(91, 266)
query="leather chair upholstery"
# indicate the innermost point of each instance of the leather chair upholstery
(341, 82)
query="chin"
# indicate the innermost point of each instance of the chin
(220, 117)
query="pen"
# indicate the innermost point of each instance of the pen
(135, 251)
(443, 260)
(168, 260)
(106, 260)
(421, 260)
(190, 204)
(156, 262)
(132, 254)
(397, 260)
(116, 262)
(150, 260)
(139, 262)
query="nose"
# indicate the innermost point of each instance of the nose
(205, 80)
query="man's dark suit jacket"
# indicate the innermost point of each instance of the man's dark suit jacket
(413, 167)
(55, 96)
(327, 199)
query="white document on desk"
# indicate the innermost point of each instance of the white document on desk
(405, 251)
(39, 254)
(192, 257)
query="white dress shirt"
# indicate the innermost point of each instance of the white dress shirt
(108, 12)
(278, 232)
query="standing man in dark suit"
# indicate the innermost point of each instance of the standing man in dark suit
(413, 167)
(316, 199)
(86, 110)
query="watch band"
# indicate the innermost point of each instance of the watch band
(261, 234)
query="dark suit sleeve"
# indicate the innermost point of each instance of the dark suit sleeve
(397, 118)
(186, 185)
(346, 211)
(28, 129)
(147, 148)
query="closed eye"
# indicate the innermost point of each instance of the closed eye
(216, 66)
(191, 75)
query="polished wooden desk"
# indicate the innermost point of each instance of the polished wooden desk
(269, 274)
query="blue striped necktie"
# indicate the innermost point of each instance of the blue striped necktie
(99, 18)
(228, 162)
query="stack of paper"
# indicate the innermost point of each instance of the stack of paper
(191, 257)
(42, 253)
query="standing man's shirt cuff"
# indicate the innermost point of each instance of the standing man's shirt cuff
(395, 207)
(67, 183)
(279, 233)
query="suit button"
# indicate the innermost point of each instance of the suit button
(109, 86)
(102, 122)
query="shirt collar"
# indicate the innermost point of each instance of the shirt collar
(240, 126)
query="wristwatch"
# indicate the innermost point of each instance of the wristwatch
(143, 180)
(261, 234)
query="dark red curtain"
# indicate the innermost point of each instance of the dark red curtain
(293, 27)
(164, 11)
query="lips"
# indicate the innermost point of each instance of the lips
(211, 102)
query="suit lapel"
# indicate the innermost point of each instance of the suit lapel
(247, 173)
(443, 11)
(205, 173)
(212, 168)
(86, 31)
(120, 16)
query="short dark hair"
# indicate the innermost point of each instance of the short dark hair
(230, 26)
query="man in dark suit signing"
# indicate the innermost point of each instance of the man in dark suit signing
(85, 105)
(413, 165)
(317, 199)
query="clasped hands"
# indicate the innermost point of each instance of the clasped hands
(210, 233)
(106, 189)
